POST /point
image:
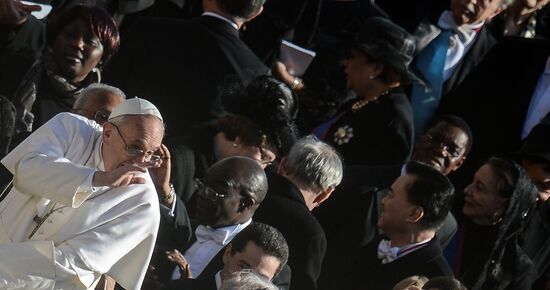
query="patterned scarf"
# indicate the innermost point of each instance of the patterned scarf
(26, 94)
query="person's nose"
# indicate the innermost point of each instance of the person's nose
(78, 42)
(468, 189)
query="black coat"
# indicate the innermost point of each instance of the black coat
(495, 97)
(370, 273)
(179, 66)
(350, 218)
(500, 89)
(380, 133)
(285, 209)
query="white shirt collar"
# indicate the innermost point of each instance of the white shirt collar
(221, 236)
(218, 278)
(222, 18)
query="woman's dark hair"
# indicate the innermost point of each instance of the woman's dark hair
(233, 126)
(100, 22)
(506, 174)
(389, 75)
(267, 102)
(507, 259)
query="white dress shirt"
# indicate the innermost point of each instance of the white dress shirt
(209, 242)
(461, 41)
(388, 254)
(540, 102)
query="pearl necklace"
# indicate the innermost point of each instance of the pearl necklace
(363, 102)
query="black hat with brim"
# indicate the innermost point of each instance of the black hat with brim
(386, 41)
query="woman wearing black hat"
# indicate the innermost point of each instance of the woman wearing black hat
(376, 128)
(260, 125)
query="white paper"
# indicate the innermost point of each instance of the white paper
(296, 58)
(46, 9)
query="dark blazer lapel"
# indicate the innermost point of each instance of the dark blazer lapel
(215, 265)
(482, 44)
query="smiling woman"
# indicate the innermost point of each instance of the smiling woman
(497, 204)
(79, 41)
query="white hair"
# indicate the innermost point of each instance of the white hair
(315, 163)
(247, 279)
(83, 98)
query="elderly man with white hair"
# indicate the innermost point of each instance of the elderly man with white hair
(307, 177)
(82, 203)
(97, 101)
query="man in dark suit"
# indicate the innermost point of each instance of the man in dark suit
(258, 247)
(416, 206)
(230, 194)
(350, 218)
(502, 99)
(450, 44)
(181, 64)
(308, 176)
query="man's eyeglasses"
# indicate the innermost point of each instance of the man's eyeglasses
(100, 116)
(135, 152)
(208, 192)
(439, 141)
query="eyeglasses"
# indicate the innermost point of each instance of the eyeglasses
(135, 152)
(208, 192)
(100, 116)
(449, 147)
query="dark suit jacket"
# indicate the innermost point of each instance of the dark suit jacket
(378, 134)
(180, 64)
(370, 273)
(350, 218)
(495, 97)
(484, 41)
(165, 268)
(284, 208)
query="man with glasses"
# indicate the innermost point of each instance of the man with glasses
(82, 204)
(97, 101)
(230, 193)
(357, 204)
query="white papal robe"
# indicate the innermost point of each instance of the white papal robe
(90, 231)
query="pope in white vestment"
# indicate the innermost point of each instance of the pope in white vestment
(59, 232)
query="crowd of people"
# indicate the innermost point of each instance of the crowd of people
(167, 145)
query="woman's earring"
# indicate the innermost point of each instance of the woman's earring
(496, 218)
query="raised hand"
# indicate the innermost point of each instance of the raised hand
(14, 12)
(176, 257)
(121, 176)
(161, 175)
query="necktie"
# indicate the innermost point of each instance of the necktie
(386, 253)
(430, 62)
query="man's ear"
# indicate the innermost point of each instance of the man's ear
(324, 195)
(416, 214)
(246, 203)
(459, 163)
(281, 170)
(226, 254)
(256, 14)
(107, 132)
(497, 12)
